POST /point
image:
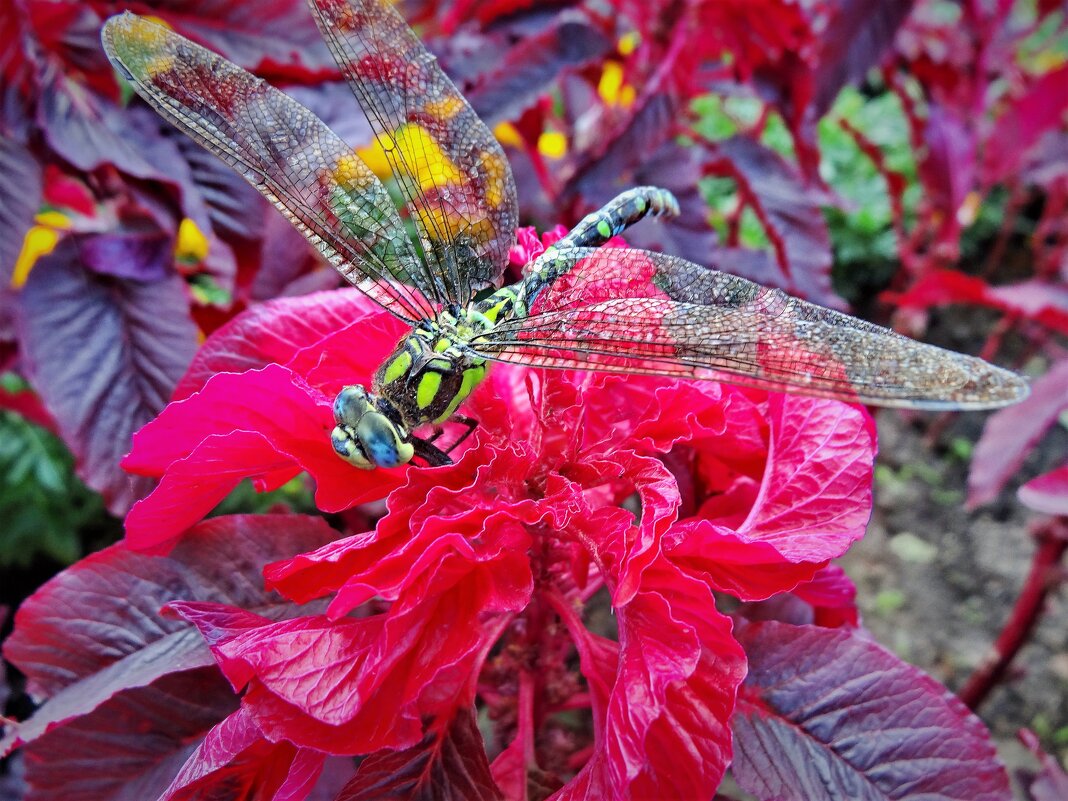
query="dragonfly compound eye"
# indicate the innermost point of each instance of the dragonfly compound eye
(381, 440)
(348, 447)
(351, 404)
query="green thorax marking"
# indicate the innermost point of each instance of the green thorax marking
(432, 371)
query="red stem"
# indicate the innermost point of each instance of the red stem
(1043, 578)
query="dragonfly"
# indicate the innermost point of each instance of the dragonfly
(440, 267)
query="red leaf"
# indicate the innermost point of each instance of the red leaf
(1010, 434)
(664, 694)
(280, 330)
(1048, 493)
(808, 504)
(449, 764)
(1023, 123)
(108, 755)
(203, 446)
(1036, 299)
(104, 357)
(235, 755)
(827, 714)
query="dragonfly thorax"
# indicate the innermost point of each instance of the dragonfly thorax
(423, 381)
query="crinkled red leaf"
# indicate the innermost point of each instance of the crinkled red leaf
(1048, 493)
(1011, 433)
(828, 714)
(20, 197)
(266, 424)
(360, 685)
(234, 755)
(449, 764)
(104, 356)
(772, 529)
(279, 330)
(664, 693)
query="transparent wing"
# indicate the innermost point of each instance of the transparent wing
(634, 311)
(452, 170)
(283, 150)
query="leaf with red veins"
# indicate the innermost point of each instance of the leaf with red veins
(827, 714)
(662, 697)
(111, 667)
(283, 331)
(235, 755)
(789, 211)
(353, 686)
(468, 510)
(812, 502)
(449, 764)
(267, 425)
(1011, 433)
(1022, 123)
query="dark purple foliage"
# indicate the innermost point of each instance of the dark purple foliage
(826, 714)
(104, 354)
(20, 197)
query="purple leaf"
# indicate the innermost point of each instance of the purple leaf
(1026, 120)
(144, 255)
(89, 131)
(280, 38)
(1011, 433)
(104, 356)
(448, 765)
(826, 714)
(20, 197)
(1051, 784)
(531, 67)
(130, 746)
(114, 638)
(859, 33)
(789, 210)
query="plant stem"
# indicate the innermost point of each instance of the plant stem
(1043, 578)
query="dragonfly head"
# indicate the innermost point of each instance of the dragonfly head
(364, 435)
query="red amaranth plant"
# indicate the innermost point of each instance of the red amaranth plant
(463, 641)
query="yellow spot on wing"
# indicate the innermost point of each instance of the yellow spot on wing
(424, 159)
(494, 168)
(446, 108)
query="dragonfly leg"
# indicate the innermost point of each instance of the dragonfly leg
(471, 424)
(619, 214)
(434, 457)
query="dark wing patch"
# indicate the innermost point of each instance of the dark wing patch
(641, 312)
